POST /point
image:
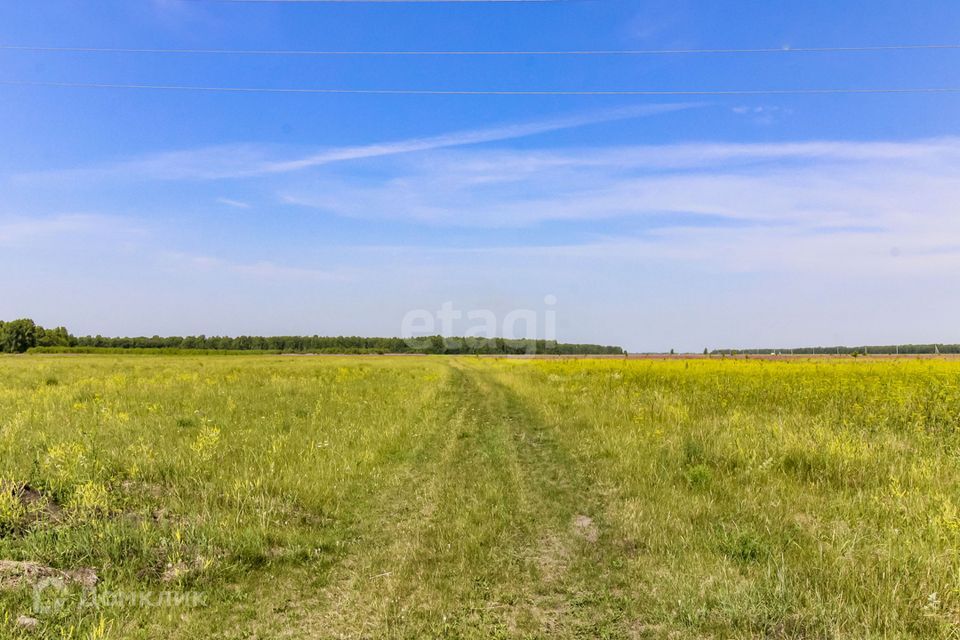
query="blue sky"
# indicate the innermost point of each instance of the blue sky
(656, 222)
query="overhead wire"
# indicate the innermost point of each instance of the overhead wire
(554, 52)
(487, 92)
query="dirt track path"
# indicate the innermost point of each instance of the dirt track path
(493, 535)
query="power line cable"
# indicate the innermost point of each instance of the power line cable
(486, 92)
(557, 52)
(381, 1)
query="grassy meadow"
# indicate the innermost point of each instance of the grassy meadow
(413, 497)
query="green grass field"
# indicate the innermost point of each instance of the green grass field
(479, 498)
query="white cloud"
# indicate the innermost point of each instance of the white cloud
(17, 230)
(236, 204)
(763, 114)
(247, 161)
(262, 269)
(462, 138)
(208, 163)
(810, 206)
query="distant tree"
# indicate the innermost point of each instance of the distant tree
(58, 337)
(437, 345)
(19, 335)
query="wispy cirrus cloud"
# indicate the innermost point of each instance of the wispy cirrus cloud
(250, 161)
(465, 138)
(236, 204)
(261, 269)
(819, 184)
(19, 230)
(808, 206)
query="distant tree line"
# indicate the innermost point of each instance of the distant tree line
(20, 335)
(903, 349)
(351, 344)
(17, 336)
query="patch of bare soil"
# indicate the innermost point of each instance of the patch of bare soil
(585, 528)
(174, 572)
(28, 623)
(552, 559)
(143, 489)
(36, 505)
(15, 574)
